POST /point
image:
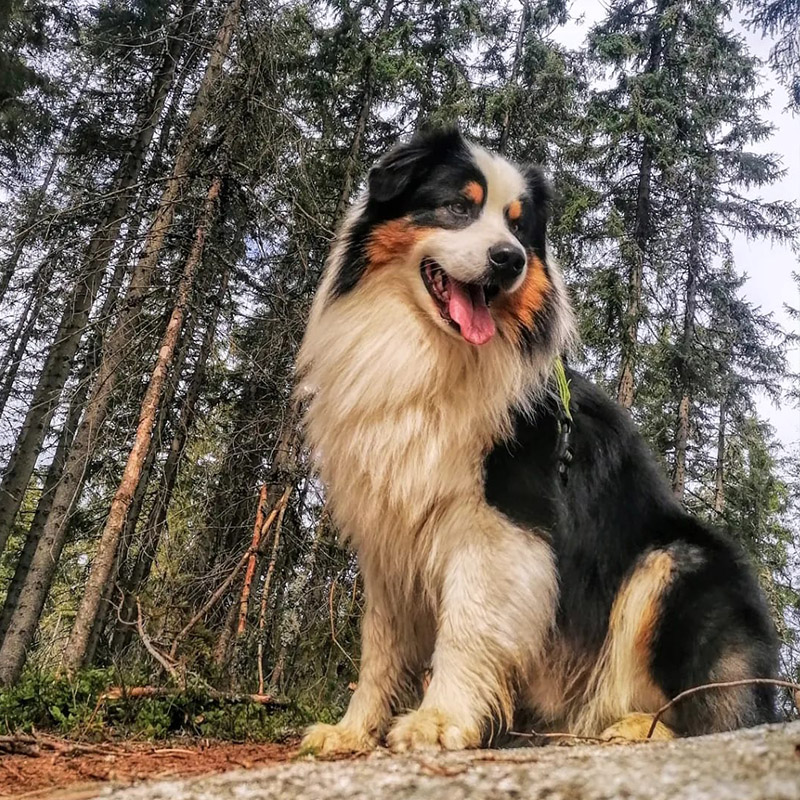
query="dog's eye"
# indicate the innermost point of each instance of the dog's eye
(459, 208)
(513, 225)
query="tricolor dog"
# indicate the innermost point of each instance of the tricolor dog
(532, 573)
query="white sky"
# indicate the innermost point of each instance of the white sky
(768, 267)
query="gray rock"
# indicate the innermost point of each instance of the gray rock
(758, 764)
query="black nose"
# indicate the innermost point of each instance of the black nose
(506, 261)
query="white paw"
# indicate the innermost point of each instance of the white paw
(431, 729)
(327, 740)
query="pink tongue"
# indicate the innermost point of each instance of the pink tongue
(468, 308)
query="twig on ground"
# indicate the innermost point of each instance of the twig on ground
(722, 685)
(535, 735)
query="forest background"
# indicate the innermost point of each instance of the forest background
(171, 174)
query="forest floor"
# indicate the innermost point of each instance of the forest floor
(758, 764)
(60, 769)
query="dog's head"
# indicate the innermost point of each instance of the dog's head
(460, 234)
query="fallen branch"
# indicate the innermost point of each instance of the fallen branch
(795, 687)
(140, 692)
(535, 735)
(167, 663)
(32, 746)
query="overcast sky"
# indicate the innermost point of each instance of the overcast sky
(768, 267)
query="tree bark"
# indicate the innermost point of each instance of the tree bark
(18, 343)
(27, 227)
(719, 471)
(685, 356)
(135, 510)
(103, 561)
(641, 235)
(157, 518)
(23, 626)
(507, 114)
(56, 368)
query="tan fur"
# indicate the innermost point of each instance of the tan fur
(514, 210)
(474, 192)
(621, 682)
(392, 239)
(522, 305)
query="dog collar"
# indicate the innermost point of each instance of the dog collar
(565, 421)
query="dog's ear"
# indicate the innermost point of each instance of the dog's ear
(406, 164)
(540, 194)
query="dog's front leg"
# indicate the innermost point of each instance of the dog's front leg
(388, 654)
(497, 606)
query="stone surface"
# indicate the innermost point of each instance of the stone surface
(757, 764)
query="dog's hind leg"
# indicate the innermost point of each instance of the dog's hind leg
(497, 601)
(687, 616)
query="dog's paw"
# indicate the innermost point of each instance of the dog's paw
(431, 729)
(634, 728)
(328, 740)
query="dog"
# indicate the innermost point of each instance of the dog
(518, 543)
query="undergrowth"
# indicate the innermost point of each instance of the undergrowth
(76, 708)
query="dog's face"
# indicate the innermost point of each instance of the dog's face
(462, 231)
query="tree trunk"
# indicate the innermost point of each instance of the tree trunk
(65, 439)
(507, 115)
(23, 626)
(135, 510)
(637, 250)
(719, 471)
(353, 155)
(56, 368)
(105, 556)
(157, 518)
(685, 356)
(27, 227)
(18, 343)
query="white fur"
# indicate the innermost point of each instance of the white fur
(400, 415)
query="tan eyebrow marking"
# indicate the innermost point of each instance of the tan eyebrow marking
(514, 210)
(474, 191)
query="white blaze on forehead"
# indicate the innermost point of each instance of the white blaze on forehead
(504, 181)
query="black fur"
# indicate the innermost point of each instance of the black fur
(614, 507)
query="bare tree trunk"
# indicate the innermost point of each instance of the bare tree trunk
(56, 368)
(23, 625)
(262, 614)
(507, 115)
(65, 439)
(637, 249)
(684, 358)
(354, 153)
(103, 561)
(135, 509)
(27, 227)
(157, 518)
(719, 471)
(18, 342)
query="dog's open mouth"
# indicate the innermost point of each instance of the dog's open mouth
(464, 306)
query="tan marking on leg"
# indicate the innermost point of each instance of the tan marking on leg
(635, 727)
(621, 682)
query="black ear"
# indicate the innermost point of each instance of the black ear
(540, 195)
(406, 164)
